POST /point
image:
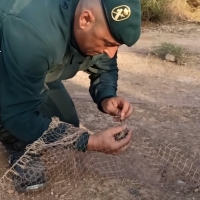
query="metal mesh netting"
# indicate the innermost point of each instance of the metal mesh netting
(70, 175)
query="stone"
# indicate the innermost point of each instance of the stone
(180, 182)
(170, 57)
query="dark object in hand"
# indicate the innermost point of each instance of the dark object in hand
(121, 135)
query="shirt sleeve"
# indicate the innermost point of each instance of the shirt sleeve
(104, 77)
(24, 61)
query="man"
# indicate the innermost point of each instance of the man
(45, 42)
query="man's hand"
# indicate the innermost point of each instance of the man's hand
(105, 141)
(117, 106)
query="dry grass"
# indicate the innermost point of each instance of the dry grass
(181, 54)
(194, 3)
(162, 10)
(184, 10)
(154, 10)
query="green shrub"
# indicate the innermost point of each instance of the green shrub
(180, 53)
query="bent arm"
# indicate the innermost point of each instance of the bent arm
(104, 77)
(24, 61)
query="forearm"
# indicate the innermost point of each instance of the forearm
(104, 82)
(105, 86)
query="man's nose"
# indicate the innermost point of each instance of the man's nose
(111, 51)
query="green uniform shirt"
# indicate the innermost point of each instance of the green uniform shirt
(37, 46)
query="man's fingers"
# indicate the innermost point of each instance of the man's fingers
(125, 109)
(109, 107)
(113, 111)
(125, 147)
(130, 111)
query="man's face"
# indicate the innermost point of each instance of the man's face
(95, 39)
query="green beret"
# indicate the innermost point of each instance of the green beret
(124, 19)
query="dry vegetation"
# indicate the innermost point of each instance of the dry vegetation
(158, 10)
(179, 53)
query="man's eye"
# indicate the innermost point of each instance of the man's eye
(108, 44)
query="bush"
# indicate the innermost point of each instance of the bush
(180, 53)
(154, 10)
(159, 10)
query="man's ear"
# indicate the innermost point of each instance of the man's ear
(86, 20)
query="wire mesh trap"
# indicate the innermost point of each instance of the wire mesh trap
(66, 174)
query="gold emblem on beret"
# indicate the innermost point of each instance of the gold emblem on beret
(120, 13)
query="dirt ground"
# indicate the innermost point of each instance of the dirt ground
(166, 98)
